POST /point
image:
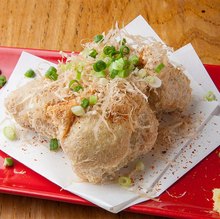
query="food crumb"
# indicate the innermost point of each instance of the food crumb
(176, 196)
(20, 172)
(216, 199)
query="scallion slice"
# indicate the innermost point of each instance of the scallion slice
(78, 75)
(159, 68)
(3, 80)
(127, 64)
(108, 50)
(10, 133)
(78, 110)
(85, 103)
(116, 55)
(99, 66)
(134, 59)
(98, 38)
(100, 74)
(30, 73)
(117, 64)
(124, 181)
(210, 96)
(52, 73)
(93, 100)
(153, 81)
(8, 162)
(75, 86)
(150, 79)
(139, 166)
(93, 53)
(123, 73)
(54, 145)
(123, 42)
(124, 50)
(142, 73)
(113, 73)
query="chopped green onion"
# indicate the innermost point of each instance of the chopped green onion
(142, 73)
(52, 73)
(100, 74)
(131, 67)
(113, 73)
(93, 53)
(10, 133)
(159, 67)
(124, 50)
(8, 162)
(117, 64)
(99, 66)
(134, 59)
(126, 64)
(75, 86)
(123, 42)
(3, 80)
(120, 67)
(30, 74)
(108, 50)
(139, 166)
(116, 55)
(93, 100)
(78, 75)
(98, 38)
(210, 96)
(72, 83)
(85, 103)
(54, 145)
(153, 81)
(78, 110)
(124, 181)
(123, 73)
(150, 79)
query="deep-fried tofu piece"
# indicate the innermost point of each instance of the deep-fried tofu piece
(35, 106)
(174, 93)
(97, 153)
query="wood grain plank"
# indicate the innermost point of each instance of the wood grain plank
(61, 24)
(14, 207)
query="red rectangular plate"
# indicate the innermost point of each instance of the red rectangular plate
(197, 184)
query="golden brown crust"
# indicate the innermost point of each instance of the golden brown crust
(175, 92)
(98, 147)
(118, 129)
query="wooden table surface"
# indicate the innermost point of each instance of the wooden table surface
(61, 24)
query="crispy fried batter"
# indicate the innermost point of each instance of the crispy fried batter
(119, 128)
(175, 92)
(97, 160)
(41, 110)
